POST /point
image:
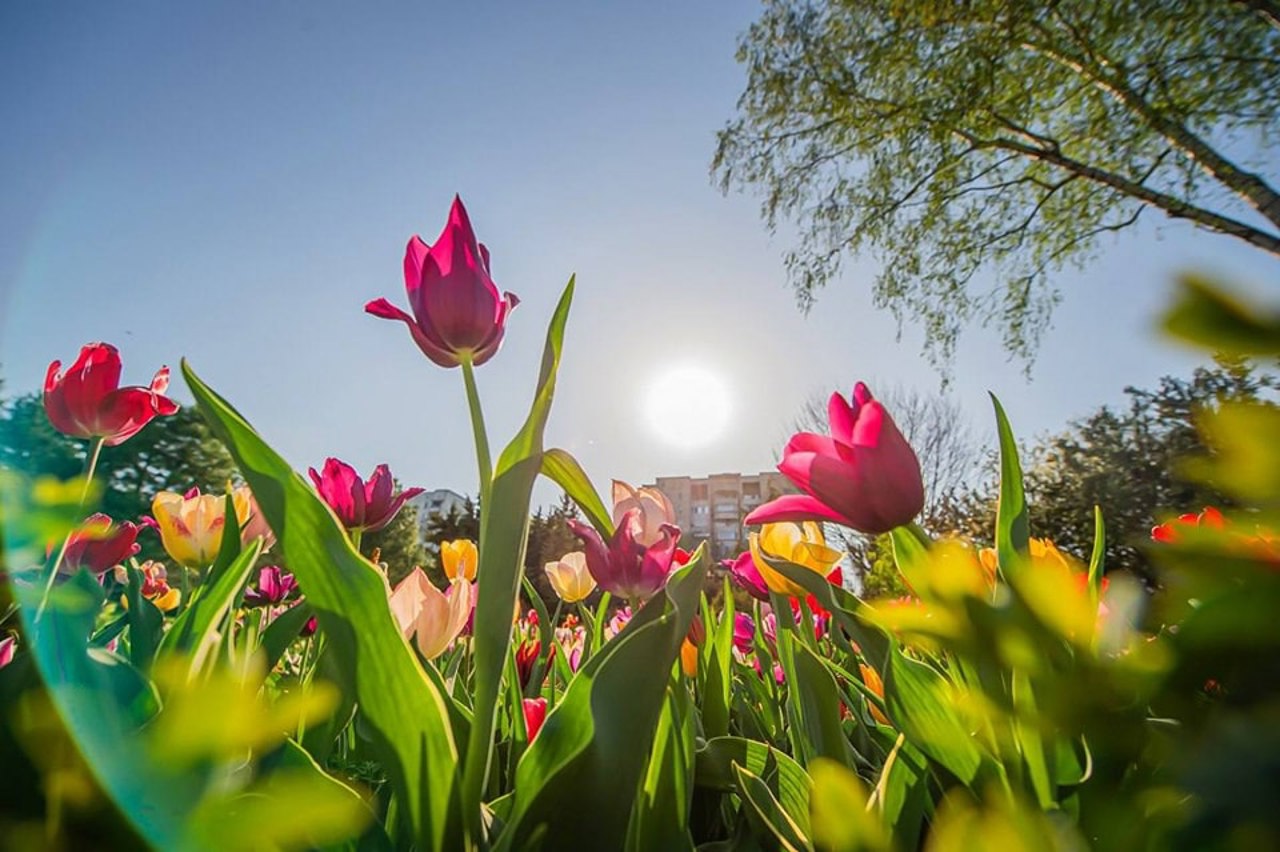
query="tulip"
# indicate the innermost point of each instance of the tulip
(1168, 532)
(527, 654)
(864, 475)
(871, 679)
(572, 640)
(459, 559)
(655, 510)
(746, 575)
(88, 401)
(799, 544)
(433, 617)
(191, 524)
(625, 567)
(535, 713)
(360, 505)
(155, 586)
(8, 645)
(619, 620)
(744, 632)
(457, 312)
(99, 545)
(570, 577)
(275, 587)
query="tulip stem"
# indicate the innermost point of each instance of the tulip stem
(483, 459)
(91, 466)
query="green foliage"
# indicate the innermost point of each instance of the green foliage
(172, 453)
(1003, 135)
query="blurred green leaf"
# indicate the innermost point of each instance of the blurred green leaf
(197, 630)
(145, 623)
(838, 811)
(1206, 315)
(404, 715)
(1246, 452)
(661, 817)
(923, 706)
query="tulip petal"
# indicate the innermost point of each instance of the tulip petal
(841, 417)
(432, 347)
(794, 507)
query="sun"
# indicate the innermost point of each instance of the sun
(687, 405)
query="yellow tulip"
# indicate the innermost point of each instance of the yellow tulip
(800, 544)
(191, 527)
(459, 559)
(570, 577)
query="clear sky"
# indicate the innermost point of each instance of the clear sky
(232, 181)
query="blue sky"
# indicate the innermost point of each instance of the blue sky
(231, 182)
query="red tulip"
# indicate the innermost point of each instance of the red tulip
(359, 504)
(99, 544)
(864, 475)
(457, 310)
(625, 567)
(535, 713)
(88, 402)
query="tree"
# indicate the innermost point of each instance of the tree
(399, 546)
(549, 539)
(1128, 462)
(1007, 135)
(171, 453)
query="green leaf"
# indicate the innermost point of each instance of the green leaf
(816, 691)
(1013, 532)
(660, 819)
(902, 793)
(578, 780)
(1099, 551)
(145, 623)
(283, 631)
(563, 469)
(503, 534)
(196, 631)
(786, 779)
(1206, 315)
(789, 829)
(404, 715)
(844, 606)
(921, 705)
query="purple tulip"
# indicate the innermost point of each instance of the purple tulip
(457, 310)
(744, 572)
(744, 632)
(864, 475)
(625, 567)
(359, 504)
(275, 586)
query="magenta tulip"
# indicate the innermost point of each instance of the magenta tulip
(624, 567)
(275, 587)
(88, 401)
(359, 504)
(8, 645)
(99, 545)
(864, 475)
(744, 633)
(747, 576)
(457, 310)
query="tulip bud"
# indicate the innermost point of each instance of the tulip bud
(864, 475)
(100, 544)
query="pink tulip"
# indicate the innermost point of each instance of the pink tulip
(275, 586)
(864, 475)
(100, 544)
(432, 617)
(744, 632)
(88, 401)
(359, 504)
(655, 510)
(535, 713)
(8, 645)
(747, 576)
(625, 567)
(457, 311)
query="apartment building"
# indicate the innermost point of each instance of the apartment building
(712, 508)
